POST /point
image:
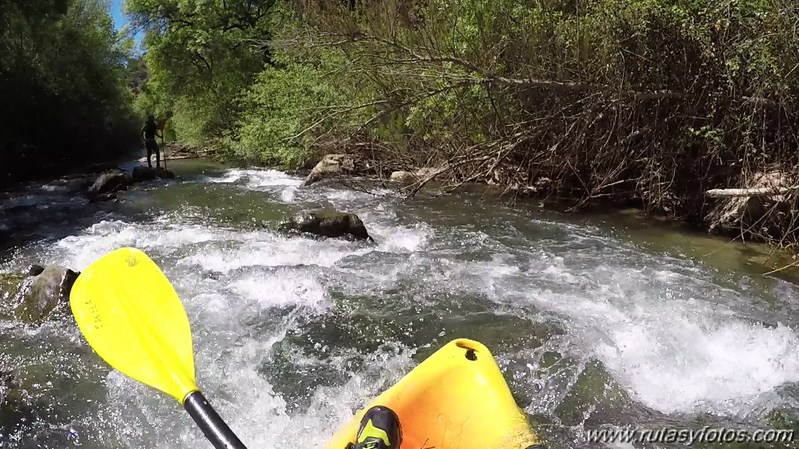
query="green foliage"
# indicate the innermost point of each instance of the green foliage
(286, 110)
(201, 55)
(63, 83)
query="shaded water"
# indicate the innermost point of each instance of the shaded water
(593, 320)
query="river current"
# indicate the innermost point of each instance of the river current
(592, 322)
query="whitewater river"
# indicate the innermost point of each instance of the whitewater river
(593, 320)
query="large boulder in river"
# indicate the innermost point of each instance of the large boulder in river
(41, 294)
(328, 224)
(111, 181)
(144, 173)
(332, 165)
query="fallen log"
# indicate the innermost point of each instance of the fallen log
(756, 191)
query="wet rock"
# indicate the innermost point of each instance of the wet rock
(328, 224)
(143, 173)
(754, 215)
(330, 166)
(40, 295)
(112, 181)
(35, 270)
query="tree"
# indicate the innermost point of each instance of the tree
(201, 56)
(62, 80)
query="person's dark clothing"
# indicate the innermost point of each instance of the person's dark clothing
(149, 132)
(152, 147)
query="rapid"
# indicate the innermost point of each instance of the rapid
(593, 321)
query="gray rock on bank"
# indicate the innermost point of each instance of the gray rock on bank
(332, 165)
(329, 224)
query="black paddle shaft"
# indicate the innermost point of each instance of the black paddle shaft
(217, 432)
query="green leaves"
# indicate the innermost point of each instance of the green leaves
(63, 84)
(201, 58)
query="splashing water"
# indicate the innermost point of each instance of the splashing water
(292, 334)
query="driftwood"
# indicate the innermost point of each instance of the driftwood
(757, 191)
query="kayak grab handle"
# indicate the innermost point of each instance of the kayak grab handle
(471, 352)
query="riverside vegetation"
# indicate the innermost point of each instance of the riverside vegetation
(64, 88)
(648, 103)
(645, 102)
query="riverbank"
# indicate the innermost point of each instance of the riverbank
(725, 221)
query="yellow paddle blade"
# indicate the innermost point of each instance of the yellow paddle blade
(129, 313)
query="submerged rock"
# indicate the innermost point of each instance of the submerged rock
(330, 166)
(328, 224)
(111, 181)
(144, 173)
(40, 295)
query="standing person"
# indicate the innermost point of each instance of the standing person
(149, 132)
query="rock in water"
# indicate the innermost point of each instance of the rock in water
(143, 173)
(331, 165)
(110, 182)
(35, 270)
(164, 173)
(328, 224)
(40, 295)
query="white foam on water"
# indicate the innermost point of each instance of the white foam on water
(79, 251)
(271, 250)
(675, 353)
(689, 367)
(255, 179)
(288, 194)
(281, 288)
